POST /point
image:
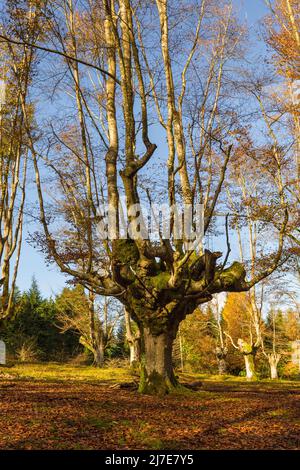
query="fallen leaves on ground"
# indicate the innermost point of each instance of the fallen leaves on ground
(43, 415)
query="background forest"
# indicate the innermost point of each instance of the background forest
(58, 330)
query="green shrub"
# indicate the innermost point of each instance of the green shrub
(28, 352)
(291, 371)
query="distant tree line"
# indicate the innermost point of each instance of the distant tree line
(39, 329)
(213, 341)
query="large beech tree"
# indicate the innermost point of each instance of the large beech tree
(160, 96)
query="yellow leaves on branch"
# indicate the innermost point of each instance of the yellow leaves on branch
(284, 36)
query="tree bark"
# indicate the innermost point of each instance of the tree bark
(99, 354)
(222, 366)
(97, 349)
(157, 375)
(133, 339)
(273, 363)
(221, 354)
(134, 352)
(94, 340)
(274, 373)
(250, 367)
(248, 350)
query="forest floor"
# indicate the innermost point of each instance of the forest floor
(74, 407)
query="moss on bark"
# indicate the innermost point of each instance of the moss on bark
(126, 252)
(232, 277)
(160, 281)
(156, 384)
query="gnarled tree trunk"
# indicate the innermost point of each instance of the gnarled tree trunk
(249, 351)
(97, 349)
(222, 366)
(134, 340)
(221, 354)
(273, 359)
(249, 365)
(157, 375)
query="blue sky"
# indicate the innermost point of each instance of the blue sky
(32, 263)
(252, 10)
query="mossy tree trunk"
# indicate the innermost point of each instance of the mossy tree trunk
(249, 351)
(157, 375)
(221, 354)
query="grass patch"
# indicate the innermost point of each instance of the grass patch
(54, 372)
(57, 372)
(279, 412)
